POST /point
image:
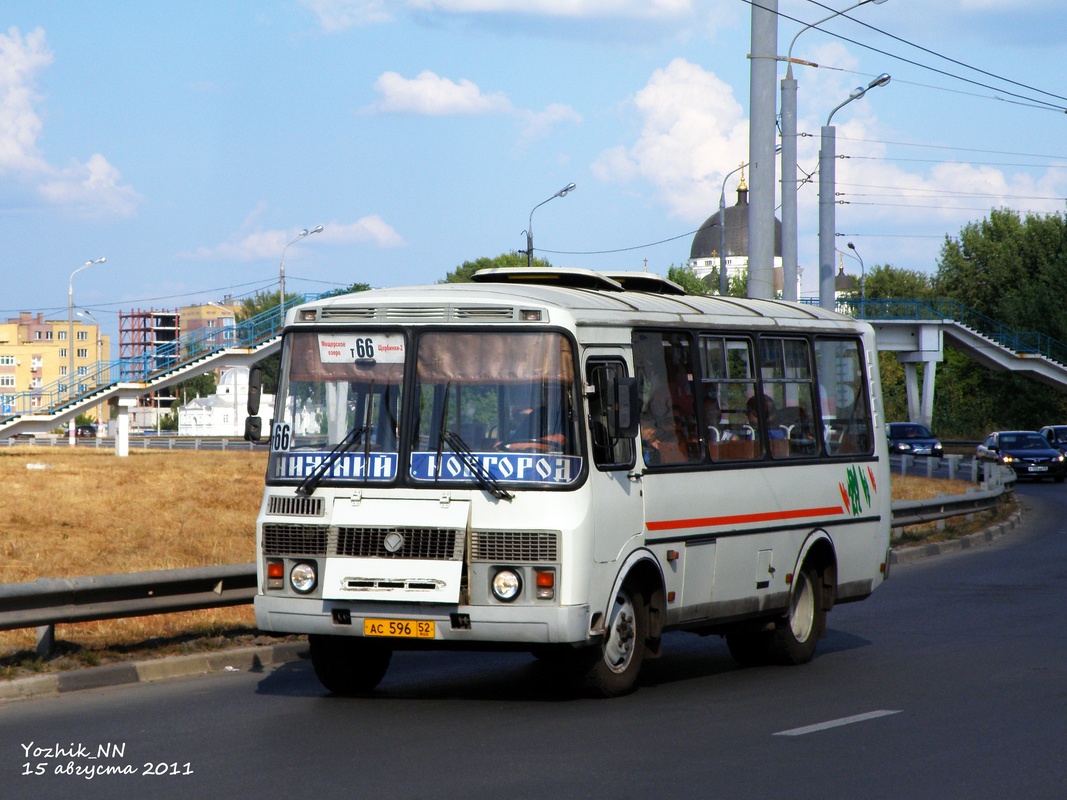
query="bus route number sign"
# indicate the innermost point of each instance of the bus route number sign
(349, 348)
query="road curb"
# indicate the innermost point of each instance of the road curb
(243, 659)
(904, 555)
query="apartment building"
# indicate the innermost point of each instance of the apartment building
(36, 356)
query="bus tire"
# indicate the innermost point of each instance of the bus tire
(797, 634)
(348, 665)
(616, 661)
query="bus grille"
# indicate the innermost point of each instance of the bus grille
(514, 546)
(296, 506)
(280, 539)
(434, 544)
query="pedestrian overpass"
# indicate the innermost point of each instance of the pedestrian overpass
(916, 331)
(122, 382)
(913, 329)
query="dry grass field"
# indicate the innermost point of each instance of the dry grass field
(71, 512)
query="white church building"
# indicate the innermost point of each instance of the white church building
(223, 413)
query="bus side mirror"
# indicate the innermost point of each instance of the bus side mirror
(253, 429)
(255, 389)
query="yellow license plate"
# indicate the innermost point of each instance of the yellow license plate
(399, 628)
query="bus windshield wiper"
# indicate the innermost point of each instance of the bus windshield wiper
(471, 461)
(351, 439)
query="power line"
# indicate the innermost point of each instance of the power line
(1039, 103)
(944, 57)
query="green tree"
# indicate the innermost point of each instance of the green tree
(688, 280)
(462, 273)
(1007, 267)
(203, 385)
(352, 288)
(886, 281)
(708, 285)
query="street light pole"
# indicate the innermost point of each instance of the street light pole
(72, 384)
(789, 157)
(863, 276)
(828, 198)
(724, 282)
(281, 270)
(70, 326)
(99, 375)
(529, 227)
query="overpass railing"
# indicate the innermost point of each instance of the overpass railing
(158, 362)
(1024, 343)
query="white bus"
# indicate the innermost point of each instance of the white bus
(572, 463)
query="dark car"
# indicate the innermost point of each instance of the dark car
(83, 431)
(912, 439)
(1056, 435)
(1027, 452)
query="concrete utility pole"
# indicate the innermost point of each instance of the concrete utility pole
(763, 84)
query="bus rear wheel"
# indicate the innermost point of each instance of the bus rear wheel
(612, 666)
(348, 665)
(796, 636)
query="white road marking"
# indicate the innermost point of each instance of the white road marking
(835, 723)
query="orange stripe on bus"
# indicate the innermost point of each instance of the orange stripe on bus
(740, 519)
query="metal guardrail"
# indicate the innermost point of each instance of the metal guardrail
(43, 604)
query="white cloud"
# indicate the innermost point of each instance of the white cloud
(430, 94)
(20, 59)
(563, 8)
(258, 245)
(538, 124)
(371, 229)
(339, 15)
(693, 132)
(91, 190)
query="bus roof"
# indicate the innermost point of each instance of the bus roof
(585, 296)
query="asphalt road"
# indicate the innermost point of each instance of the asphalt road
(950, 682)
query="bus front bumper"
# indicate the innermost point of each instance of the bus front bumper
(453, 625)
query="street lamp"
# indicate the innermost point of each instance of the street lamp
(98, 377)
(827, 194)
(281, 269)
(70, 327)
(529, 227)
(863, 276)
(789, 158)
(723, 282)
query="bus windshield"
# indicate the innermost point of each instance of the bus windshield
(487, 407)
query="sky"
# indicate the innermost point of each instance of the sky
(190, 143)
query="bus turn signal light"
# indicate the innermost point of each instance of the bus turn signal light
(546, 584)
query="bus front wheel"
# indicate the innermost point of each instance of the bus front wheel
(617, 660)
(348, 665)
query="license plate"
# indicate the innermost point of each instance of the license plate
(1038, 469)
(399, 628)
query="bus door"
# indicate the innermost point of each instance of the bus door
(618, 513)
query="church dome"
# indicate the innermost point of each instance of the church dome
(708, 240)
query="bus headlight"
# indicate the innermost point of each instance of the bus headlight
(506, 585)
(302, 577)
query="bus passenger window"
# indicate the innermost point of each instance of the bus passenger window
(785, 366)
(669, 431)
(844, 397)
(729, 363)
